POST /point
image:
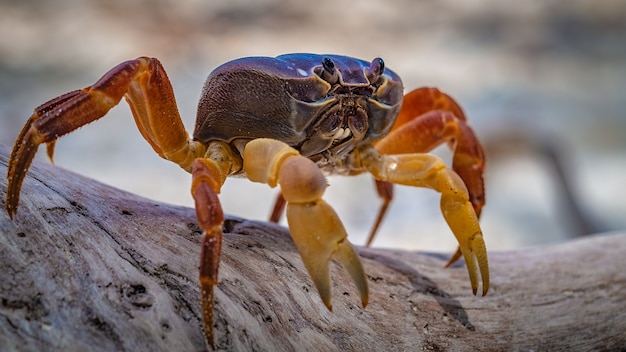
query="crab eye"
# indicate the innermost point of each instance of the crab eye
(377, 67)
(329, 65)
(379, 64)
(328, 72)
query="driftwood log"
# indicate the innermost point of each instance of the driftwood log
(84, 266)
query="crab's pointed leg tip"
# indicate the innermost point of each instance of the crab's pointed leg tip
(485, 289)
(364, 301)
(454, 258)
(475, 290)
(11, 210)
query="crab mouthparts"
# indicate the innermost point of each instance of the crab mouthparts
(341, 134)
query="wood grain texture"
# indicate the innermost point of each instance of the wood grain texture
(85, 266)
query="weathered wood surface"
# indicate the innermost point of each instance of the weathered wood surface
(84, 266)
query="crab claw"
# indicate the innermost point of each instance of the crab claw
(425, 170)
(464, 224)
(315, 228)
(319, 237)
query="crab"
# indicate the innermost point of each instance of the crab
(287, 121)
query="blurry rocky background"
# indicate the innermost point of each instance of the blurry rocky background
(543, 84)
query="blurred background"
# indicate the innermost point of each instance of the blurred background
(542, 82)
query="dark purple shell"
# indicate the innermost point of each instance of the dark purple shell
(290, 98)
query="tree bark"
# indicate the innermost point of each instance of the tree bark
(85, 266)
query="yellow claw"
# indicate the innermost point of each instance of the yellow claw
(463, 222)
(425, 170)
(319, 237)
(315, 228)
(349, 258)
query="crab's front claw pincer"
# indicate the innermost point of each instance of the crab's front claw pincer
(319, 237)
(425, 170)
(315, 228)
(463, 222)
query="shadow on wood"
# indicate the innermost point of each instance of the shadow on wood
(86, 266)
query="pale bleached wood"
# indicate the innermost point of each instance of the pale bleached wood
(85, 266)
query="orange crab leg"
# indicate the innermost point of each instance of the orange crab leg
(429, 130)
(147, 89)
(204, 190)
(427, 119)
(315, 228)
(385, 192)
(208, 176)
(151, 99)
(144, 83)
(422, 100)
(278, 209)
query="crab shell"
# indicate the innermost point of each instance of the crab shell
(315, 103)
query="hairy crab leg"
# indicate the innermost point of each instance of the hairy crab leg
(425, 170)
(315, 228)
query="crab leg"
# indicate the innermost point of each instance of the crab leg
(425, 170)
(278, 209)
(208, 176)
(147, 89)
(149, 93)
(385, 192)
(315, 228)
(444, 122)
(427, 119)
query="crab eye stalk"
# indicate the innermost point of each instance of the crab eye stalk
(328, 72)
(377, 67)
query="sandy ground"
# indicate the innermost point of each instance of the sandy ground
(542, 82)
